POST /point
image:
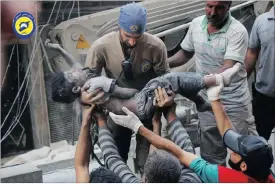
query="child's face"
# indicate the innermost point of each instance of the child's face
(77, 76)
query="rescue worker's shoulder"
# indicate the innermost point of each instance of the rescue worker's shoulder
(103, 42)
(153, 42)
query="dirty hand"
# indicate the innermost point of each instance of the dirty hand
(87, 113)
(90, 98)
(213, 93)
(162, 99)
(130, 121)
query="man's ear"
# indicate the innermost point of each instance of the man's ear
(76, 89)
(243, 166)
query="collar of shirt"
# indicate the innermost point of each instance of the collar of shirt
(271, 14)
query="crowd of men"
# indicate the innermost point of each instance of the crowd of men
(236, 122)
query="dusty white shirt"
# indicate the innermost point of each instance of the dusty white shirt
(230, 43)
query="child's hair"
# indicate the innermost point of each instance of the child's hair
(62, 89)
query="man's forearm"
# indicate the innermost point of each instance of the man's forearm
(180, 58)
(82, 155)
(227, 64)
(167, 145)
(250, 60)
(223, 122)
(156, 130)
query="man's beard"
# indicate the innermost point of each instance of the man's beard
(220, 22)
(126, 46)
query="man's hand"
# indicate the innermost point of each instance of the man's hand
(162, 99)
(91, 98)
(86, 113)
(130, 121)
(213, 93)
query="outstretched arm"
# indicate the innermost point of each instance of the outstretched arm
(132, 122)
(68, 57)
(223, 122)
(161, 143)
(82, 153)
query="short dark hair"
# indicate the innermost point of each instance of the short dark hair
(162, 167)
(103, 175)
(62, 89)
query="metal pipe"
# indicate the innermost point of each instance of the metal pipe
(184, 26)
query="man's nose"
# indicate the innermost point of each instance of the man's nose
(132, 42)
(213, 11)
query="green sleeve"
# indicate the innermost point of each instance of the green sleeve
(207, 172)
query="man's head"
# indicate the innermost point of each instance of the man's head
(217, 11)
(66, 86)
(132, 22)
(250, 154)
(103, 175)
(162, 167)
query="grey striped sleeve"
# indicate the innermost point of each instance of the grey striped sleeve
(179, 136)
(112, 158)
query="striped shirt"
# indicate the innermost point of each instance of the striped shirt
(115, 163)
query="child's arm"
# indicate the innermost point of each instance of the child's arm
(109, 86)
(68, 57)
(123, 93)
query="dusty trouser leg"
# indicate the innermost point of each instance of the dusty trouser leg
(142, 147)
(187, 84)
(122, 137)
(211, 144)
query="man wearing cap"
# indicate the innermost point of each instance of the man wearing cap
(251, 156)
(132, 57)
(261, 47)
(218, 41)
